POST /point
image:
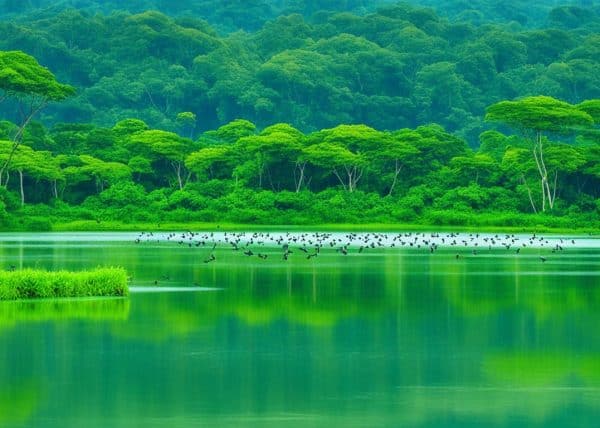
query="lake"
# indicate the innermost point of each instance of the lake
(477, 330)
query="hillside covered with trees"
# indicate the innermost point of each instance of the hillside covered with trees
(300, 112)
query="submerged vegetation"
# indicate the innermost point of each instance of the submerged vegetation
(366, 112)
(36, 284)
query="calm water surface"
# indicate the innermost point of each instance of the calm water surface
(382, 338)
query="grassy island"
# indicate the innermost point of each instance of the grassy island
(39, 284)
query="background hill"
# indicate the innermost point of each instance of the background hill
(397, 66)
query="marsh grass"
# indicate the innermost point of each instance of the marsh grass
(39, 284)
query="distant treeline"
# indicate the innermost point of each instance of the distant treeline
(250, 15)
(400, 66)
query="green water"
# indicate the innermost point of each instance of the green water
(385, 338)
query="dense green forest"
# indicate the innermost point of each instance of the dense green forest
(300, 112)
(250, 15)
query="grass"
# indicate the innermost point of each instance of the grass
(39, 284)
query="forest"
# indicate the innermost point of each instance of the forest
(300, 112)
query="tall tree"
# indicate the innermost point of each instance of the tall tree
(32, 87)
(167, 146)
(535, 117)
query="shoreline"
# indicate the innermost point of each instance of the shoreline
(93, 226)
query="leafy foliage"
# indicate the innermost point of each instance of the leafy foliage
(320, 111)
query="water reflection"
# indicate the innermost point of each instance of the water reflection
(16, 313)
(392, 338)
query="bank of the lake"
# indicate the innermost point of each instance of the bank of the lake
(41, 284)
(115, 226)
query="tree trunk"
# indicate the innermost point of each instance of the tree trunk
(16, 139)
(55, 189)
(397, 170)
(177, 168)
(554, 190)
(354, 174)
(21, 187)
(529, 194)
(545, 175)
(342, 182)
(538, 155)
(299, 180)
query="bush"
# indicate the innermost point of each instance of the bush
(212, 188)
(464, 198)
(122, 194)
(37, 224)
(448, 218)
(287, 200)
(187, 200)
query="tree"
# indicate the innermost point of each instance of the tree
(104, 173)
(395, 150)
(233, 131)
(477, 165)
(165, 145)
(31, 86)
(338, 160)
(204, 161)
(517, 162)
(187, 121)
(280, 143)
(291, 145)
(535, 116)
(39, 165)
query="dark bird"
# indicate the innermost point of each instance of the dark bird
(542, 258)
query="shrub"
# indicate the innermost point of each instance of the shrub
(211, 188)
(37, 224)
(122, 194)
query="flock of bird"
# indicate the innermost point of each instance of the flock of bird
(310, 244)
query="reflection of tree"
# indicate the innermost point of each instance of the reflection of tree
(542, 369)
(492, 285)
(260, 294)
(18, 312)
(19, 402)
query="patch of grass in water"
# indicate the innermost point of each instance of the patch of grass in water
(39, 284)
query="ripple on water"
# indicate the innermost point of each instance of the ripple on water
(141, 289)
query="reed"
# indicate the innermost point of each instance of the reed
(39, 284)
